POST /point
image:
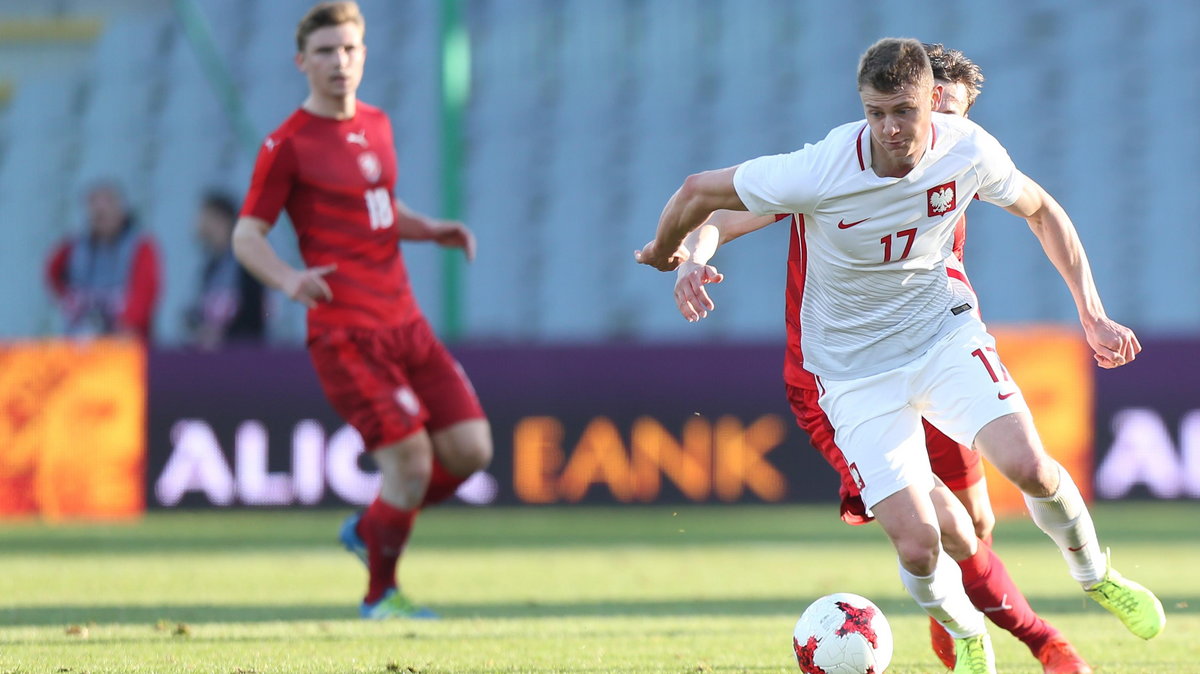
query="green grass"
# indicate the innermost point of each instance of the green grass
(534, 590)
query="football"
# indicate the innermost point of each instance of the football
(842, 633)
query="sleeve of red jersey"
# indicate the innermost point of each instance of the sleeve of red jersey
(142, 293)
(56, 268)
(274, 173)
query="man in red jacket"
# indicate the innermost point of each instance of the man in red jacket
(106, 279)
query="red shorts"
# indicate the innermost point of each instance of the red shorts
(389, 383)
(958, 466)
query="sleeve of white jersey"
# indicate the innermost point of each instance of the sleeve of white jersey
(782, 183)
(1000, 182)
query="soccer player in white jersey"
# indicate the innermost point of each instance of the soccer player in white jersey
(966, 521)
(889, 340)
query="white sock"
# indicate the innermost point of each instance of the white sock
(1065, 518)
(942, 596)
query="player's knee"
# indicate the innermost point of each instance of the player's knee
(985, 524)
(466, 448)
(957, 543)
(405, 467)
(405, 488)
(957, 528)
(1038, 477)
(408, 472)
(919, 552)
(471, 456)
(481, 454)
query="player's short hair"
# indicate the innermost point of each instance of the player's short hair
(221, 203)
(951, 65)
(327, 14)
(893, 63)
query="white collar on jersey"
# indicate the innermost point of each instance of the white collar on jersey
(862, 143)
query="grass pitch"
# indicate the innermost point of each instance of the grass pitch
(697, 589)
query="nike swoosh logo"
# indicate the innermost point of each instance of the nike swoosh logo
(1006, 396)
(842, 224)
(1078, 548)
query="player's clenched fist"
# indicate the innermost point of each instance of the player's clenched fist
(652, 256)
(307, 286)
(1114, 344)
(690, 295)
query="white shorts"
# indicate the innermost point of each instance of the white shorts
(959, 385)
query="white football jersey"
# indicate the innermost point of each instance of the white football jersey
(875, 288)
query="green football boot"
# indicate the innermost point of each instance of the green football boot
(1136, 606)
(974, 655)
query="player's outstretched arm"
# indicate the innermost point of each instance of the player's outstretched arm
(449, 233)
(692, 203)
(250, 246)
(694, 273)
(1114, 344)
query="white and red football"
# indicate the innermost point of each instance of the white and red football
(842, 633)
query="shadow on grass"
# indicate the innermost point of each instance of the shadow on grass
(200, 613)
(525, 528)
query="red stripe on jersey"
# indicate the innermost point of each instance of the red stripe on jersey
(349, 214)
(861, 164)
(387, 293)
(960, 242)
(956, 274)
(960, 237)
(368, 256)
(333, 190)
(793, 364)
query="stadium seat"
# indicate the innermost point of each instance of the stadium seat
(584, 116)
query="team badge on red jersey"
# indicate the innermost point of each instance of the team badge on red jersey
(369, 164)
(941, 199)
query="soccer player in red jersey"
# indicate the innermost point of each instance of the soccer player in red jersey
(964, 510)
(332, 166)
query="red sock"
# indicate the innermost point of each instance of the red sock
(385, 529)
(442, 484)
(993, 591)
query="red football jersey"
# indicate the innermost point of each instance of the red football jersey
(336, 179)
